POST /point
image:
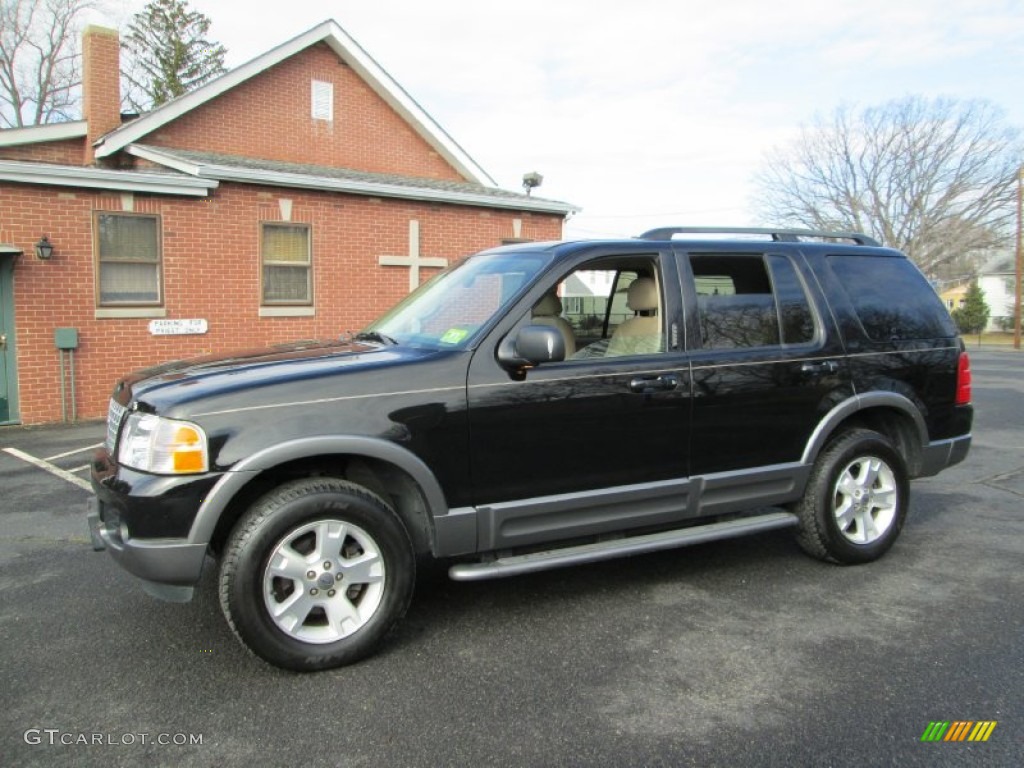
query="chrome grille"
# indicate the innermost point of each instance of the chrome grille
(114, 415)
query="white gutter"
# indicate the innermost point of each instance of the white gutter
(104, 178)
(35, 134)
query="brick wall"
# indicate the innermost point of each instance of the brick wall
(211, 270)
(66, 152)
(269, 117)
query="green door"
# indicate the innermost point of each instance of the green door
(8, 374)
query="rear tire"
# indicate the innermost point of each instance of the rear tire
(856, 500)
(316, 573)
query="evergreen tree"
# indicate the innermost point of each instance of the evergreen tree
(972, 316)
(168, 54)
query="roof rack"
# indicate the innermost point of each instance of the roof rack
(781, 235)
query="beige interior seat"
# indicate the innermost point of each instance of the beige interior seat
(640, 335)
(548, 311)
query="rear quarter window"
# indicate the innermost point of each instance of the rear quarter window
(892, 299)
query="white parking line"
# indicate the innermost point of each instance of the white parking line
(53, 470)
(72, 453)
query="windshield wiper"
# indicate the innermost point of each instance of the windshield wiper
(374, 336)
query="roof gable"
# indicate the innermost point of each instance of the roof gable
(353, 55)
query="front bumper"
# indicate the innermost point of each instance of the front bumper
(168, 567)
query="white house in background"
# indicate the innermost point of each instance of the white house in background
(996, 279)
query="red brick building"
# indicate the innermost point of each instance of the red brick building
(295, 197)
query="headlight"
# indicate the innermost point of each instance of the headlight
(162, 446)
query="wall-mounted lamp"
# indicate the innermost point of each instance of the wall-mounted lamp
(44, 249)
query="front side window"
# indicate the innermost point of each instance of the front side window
(128, 259)
(609, 308)
(287, 267)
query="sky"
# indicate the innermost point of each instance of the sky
(649, 113)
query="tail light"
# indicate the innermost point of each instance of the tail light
(963, 380)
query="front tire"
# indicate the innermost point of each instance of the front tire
(316, 573)
(856, 500)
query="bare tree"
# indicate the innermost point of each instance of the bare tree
(932, 178)
(39, 60)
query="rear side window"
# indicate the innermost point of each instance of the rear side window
(750, 301)
(892, 299)
(794, 309)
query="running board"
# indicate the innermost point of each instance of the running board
(515, 565)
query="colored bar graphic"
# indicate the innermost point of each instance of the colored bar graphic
(959, 730)
(982, 731)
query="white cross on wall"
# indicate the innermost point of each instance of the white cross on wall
(414, 261)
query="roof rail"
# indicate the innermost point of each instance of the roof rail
(781, 235)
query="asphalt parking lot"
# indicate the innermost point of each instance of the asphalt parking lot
(743, 652)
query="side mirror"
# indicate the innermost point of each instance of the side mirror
(531, 346)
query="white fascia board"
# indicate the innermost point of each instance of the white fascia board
(37, 134)
(164, 159)
(377, 189)
(351, 53)
(102, 178)
(332, 184)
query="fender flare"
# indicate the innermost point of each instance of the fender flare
(217, 500)
(852, 405)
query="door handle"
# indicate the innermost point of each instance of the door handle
(820, 367)
(3, 342)
(648, 384)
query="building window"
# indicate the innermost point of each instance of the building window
(128, 255)
(286, 264)
(323, 100)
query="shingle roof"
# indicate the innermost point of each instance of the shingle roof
(212, 165)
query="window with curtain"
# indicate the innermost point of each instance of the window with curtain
(128, 257)
(285, 253)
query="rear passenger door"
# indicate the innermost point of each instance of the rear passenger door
(766, 362)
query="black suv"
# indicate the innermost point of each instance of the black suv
(537, 406)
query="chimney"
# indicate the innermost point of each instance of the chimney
(101, 83)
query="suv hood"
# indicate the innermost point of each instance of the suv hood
(308, 369)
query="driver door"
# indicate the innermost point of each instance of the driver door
(608, 420)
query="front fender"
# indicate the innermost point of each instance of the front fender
(241, 474)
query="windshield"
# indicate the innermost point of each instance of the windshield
(448, 311)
